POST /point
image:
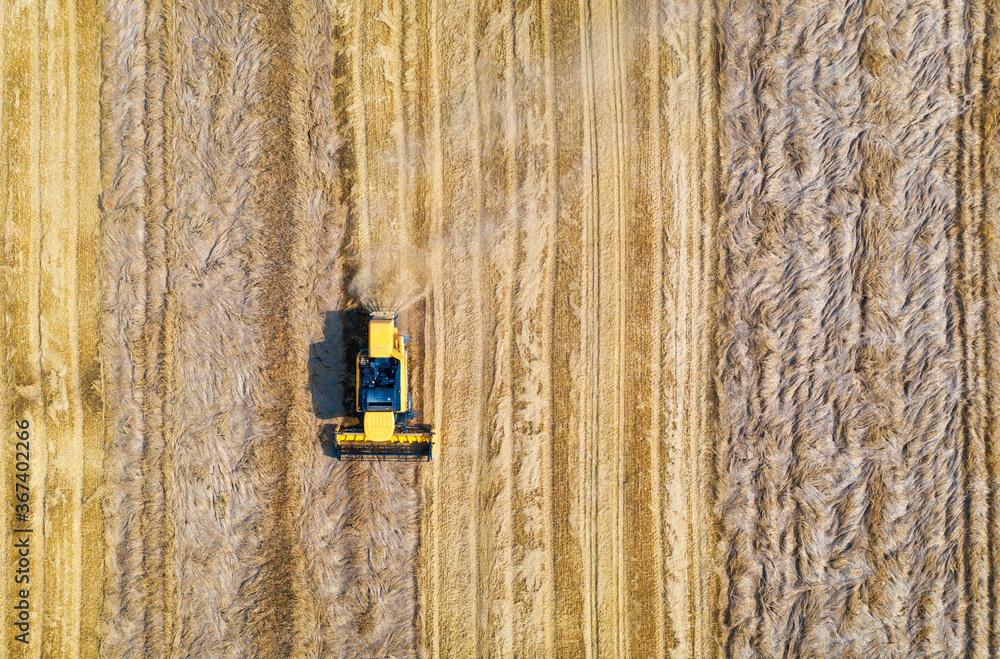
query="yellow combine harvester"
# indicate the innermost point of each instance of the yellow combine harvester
(383, 401)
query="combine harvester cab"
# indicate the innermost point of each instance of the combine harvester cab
(383, 401)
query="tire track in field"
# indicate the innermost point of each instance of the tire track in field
(609, 336)
(685, 256)
(591, 336)
(703, 532)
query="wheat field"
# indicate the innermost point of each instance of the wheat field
(702, 297)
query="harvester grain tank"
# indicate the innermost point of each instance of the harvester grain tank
(383, 401)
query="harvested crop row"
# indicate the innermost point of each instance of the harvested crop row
(241, 537)
(855, 328)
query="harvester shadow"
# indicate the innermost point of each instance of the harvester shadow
(331, 369)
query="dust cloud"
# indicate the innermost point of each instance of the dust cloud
(391, 277)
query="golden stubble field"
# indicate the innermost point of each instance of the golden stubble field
(529, 183)
(702, 303)
(51, 543)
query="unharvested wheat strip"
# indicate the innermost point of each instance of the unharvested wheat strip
(569, 370)
(417, 136)
(123, 298)
(401, 222)
(990, 174)
(429, 577)
(91, 471)
(169, 385)
(170, 409)
(21, 151)
(612, 623)
(59, 632)
(416, 132)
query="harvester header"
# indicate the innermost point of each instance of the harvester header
(383, 401)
